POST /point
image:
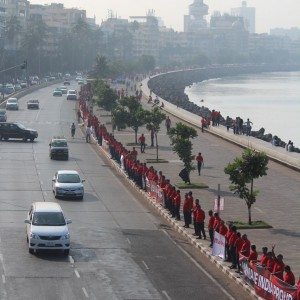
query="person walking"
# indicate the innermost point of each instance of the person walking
(88, 132)
(168, 124)
(73, 129)
(142, 143)
(199, 160)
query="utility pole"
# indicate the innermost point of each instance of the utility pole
(219, 199)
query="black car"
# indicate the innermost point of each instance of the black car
(67, 82)
(58, 148)
(16, 131)
(33, 104)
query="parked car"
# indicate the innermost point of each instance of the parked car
(33, 104)
(58, 148)
(12, 103)
(3, 115)
(47, 228)
(23, 85)
(16, 131)
(71, 95)
(67, 184)
(57, 93)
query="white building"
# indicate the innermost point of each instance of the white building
(248, 13)
(195, 21)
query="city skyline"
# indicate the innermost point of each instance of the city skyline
(264, 18)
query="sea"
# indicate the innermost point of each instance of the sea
(269, 100)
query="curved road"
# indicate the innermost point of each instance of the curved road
(120, 248)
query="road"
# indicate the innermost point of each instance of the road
(120, 249)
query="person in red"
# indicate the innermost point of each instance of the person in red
(217, 222)
(191, 205)
(253, 254)
(227, 246)
(134, 153)
(203, 124)
(278, 266)
(231, 244)
(200, 218)
(210, 227)
(199, 160)
(238, 246)
(264, 257)
(142, 141)
(223, 228)
(289, 276)
(271, 262)
(186, 211)
(173, 194)
(177, 202)
(195, 209)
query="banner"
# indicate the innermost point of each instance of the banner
(266, 285)
(155, 191)
(219, 245)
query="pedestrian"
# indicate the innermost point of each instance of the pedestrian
(199, 160)
(231, 244)
(203, 124)
(244, 251)
(78, 115)
(278, 268)
(73, 129)
(195, 209)
(177, 202)
(168, 124)
(248, 127)
(253, 254)
(142, 143)
(235, 255)
(200, 218)
(211, 227)
(185, 176)
(289, 276)
(264, 258)
(88, 132)
(191, 205)
(228, 123)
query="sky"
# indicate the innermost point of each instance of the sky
(269, 13)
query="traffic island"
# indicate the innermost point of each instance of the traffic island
(156, 161)
(193, 186)
(254, 225)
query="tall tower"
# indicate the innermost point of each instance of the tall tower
(248, 13)
(195, 20)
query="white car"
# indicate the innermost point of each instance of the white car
(68, 184)
(12, 103)
(47, 228)
(71, 95)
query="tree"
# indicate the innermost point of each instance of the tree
(243, 171)
(105, 96)
(153, 122)
(180, 136)
(101, 68)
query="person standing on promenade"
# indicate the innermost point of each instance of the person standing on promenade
(227, 123)
(203, 124)
(289, 276)
(199, 160)
(211, 227)
(195, 209)
(186, 211)
(142, 143)
(88, 132)
(248, 127)
(168, 124)
(200, 218)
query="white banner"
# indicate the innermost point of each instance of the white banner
(219, 245)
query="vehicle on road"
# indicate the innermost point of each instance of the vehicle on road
(47, 228)
(16, 131)
(67, 82)
(67, 184)
(63, 89)
(23, 85)
(79, 78)
(72, 95)
(80, 82)
(57, 93)
(12, 104)
(18, 87)
(3, 115)
(33, 104)
(9, 89)
(58, 148)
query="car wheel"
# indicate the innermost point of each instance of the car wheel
(31, 251)
(31, 140)
(24, 139)
(66, 252)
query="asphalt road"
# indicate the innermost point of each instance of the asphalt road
(120, 249)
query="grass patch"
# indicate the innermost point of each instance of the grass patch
(155, 161)
(195, 186)
(132, 144)
(255, 225)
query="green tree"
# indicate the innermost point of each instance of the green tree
(180, 136)
(243, 171)
(120, 117)
(153, 121)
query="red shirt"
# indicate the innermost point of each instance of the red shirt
(232, 239)
(270, 264)
(278, 269)
(200, 215)
(246, 248)
(223, 229)
(211, 222)
(264, 260)
(142, 139)
(253, 255)
(195, 209)
(239, 244)
(186, 206)
(217, 223)
(289, 278)
(177, 200)
(199, 158)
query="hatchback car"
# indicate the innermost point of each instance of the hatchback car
(33, 104)
(57, 93)
(17, 131)
(58, 148)
(12, 103)
(47, 228)
(63, 89)
(72, 95)
(67, 184)
(3, 115)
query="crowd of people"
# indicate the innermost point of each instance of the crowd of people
(237, 244)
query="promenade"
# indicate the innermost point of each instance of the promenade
(278, 201)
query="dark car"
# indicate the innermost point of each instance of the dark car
(67, 82)
(3, 116)
(33, 104)
(58, 148)
(16, 131)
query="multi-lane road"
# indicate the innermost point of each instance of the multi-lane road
(120, 249)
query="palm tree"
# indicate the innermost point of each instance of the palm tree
(101, 68)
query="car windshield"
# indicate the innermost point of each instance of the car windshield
(12, 101)
(68, 178)
(59, 144)
(33, 101)
(72, 92)
(21, 126)
(48, 219)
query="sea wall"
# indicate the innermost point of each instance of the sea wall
(171, 86)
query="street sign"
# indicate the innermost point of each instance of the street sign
(219, 206)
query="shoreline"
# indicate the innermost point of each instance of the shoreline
(171, 87)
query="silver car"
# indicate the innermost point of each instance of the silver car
(12, 103)
(67, 184)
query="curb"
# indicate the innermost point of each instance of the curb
(177, 226)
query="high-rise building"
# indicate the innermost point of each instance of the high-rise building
(195, 21)
(248, 13)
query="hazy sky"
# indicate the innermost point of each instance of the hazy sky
(269, 13)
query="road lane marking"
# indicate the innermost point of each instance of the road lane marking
(71, 260)
(147, 268)
(166, 295)
(199, 266)
(258, 209)
(3, 278)
(77, 273)
(85, 292)
(128, 240)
